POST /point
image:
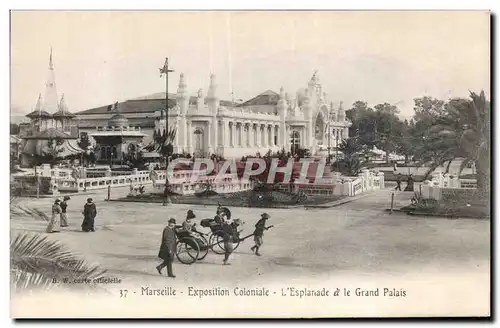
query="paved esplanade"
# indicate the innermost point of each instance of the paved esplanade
(357, 239)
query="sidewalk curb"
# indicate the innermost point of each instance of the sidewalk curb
(339, 202)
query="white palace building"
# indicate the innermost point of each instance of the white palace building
(207, 125)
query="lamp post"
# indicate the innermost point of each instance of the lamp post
(165, 70)
(337, 150)
(329, 144)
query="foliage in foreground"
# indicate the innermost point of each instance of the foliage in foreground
(40, 263)
(36, 261)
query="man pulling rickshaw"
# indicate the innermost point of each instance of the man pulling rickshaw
(224, 236)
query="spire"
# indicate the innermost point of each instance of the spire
(51, 99)
(212, 89)
(341, 114)
(38, 106)
(314, 79)
(62, 105)
(51, 66)
(213, 83)
(182, 83)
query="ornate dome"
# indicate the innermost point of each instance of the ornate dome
(118, 120)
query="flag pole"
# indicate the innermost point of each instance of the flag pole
(165, 71)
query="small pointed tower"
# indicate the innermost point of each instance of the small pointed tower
(63, 117)
(182, 95)
(333, 113)
(51, 99)
(213, 105)
(283, 113)
(39, 117)
(341, 115)
(183, 103)
(212, 99)
(309, 105)
(200, 101)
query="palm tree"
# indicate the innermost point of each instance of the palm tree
(163, 144)
(40, 263)
(464, 132)
(351, 163)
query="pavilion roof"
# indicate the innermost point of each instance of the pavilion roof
(50, 133)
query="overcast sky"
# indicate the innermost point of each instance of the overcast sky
(102, 57)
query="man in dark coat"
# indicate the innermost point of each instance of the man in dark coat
(398, 182)
(409, 186)
(167, 248)
(260, 226)
(89, 214)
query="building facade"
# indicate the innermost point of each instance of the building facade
(116, 141)
(207, 125)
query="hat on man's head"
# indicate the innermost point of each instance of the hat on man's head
(172, 220)
(57, 201)
(265, 216)
(67, 198)
(190, 214)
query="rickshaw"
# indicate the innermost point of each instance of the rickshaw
(191, 246)
(216, 235)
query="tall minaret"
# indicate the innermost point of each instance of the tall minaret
(50, 99)
(212, 101)
(183, 103)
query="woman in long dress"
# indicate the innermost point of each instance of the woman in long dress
(89, 214)
(54, 223)
(64, 216)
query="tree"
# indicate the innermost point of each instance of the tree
(362, 126)
(464, 131)
(427, 108)
(388, 128)
(406, 145)
(14, 129)
(84, 144)
(353, 159)
(163, 144)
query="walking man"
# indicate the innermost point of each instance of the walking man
(228, 241)
(64, 216)
(167, 248)
(398, 182)
(260, 226)
(89, 214)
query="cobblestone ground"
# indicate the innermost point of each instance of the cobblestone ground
(357, 239)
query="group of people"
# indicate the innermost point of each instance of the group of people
(229, 235)
(59, 217)
(409, 185)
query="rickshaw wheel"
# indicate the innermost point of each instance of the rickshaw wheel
(204, 251)
(220, 245)
(217, 243)
(187, 250)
